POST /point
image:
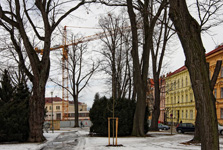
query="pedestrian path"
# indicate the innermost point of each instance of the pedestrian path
(65, 141)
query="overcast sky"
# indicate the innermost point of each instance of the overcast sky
(89, 18)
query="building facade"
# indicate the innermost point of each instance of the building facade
(151, 98)
(56, 112)
(180, 104)
(212, 57)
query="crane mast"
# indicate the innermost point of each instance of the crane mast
(65, 74)
(65, 96)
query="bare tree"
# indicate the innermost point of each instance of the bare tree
(140, 68)
(149, 11)
(20, 17)
(189, 33)
(162, 35)
(80, 70)
(79, 74)
(208, 13)
(116, 51)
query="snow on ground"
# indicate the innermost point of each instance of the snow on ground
(31, 146)
(161, 140)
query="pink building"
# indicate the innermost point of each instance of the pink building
(151, 98)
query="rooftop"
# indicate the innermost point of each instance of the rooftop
(217, 49)
(57, 99)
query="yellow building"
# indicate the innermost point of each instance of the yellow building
(212, 57)
(56, 104)
(179, 104)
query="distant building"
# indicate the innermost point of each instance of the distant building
(57, 109)
(180, 104)
(212, 57)
(150, 98)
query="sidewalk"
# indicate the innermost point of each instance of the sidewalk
(79, 139)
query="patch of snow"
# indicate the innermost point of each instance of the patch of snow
(161, 140)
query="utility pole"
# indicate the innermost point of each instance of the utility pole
(52, 112)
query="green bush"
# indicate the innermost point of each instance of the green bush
(124, 110)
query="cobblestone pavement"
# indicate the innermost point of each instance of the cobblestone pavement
(65, 141)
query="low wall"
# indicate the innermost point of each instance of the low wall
(68, 124)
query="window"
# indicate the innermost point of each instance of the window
(178, 83)
(186, 114)
(215, 92)
(182, 114)
(182, 98)
(46, 108)
(221, 71)
(221, 113)
(186, 98)
(58, 116)
(209, 74)
(178, 99)
(50, 108)
(191, 114)
(191, 97)
(175, 100)
(183, 124)
(71, 115)
(182, 82)
(175, 114)
(57, 107)
(221, 92)
(186, 81)
(175, 84)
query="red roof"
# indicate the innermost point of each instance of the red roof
(219, 48)
(151, 82)
(57, 99)
(177, 71)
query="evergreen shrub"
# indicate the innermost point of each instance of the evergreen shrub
(14, 116)
(124, 110)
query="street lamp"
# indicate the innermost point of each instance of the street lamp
(52, 110)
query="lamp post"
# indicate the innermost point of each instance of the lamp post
(52, 111)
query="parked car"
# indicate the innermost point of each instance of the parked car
(185, 127)
(220, 129)
(163, 127)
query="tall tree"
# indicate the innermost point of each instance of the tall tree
(116, 51)
(189, 33)
(19, 17)
(140, 68)
(79, 76)
(161, 36)
(80, 71)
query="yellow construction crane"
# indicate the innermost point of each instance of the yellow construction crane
(65, 101)
(64, 46)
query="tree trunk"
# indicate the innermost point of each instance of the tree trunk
(139, 116)
(139, 86)
(197, 133)
(156, 107)
(76, 111)
(189, 31)
(36, 112)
